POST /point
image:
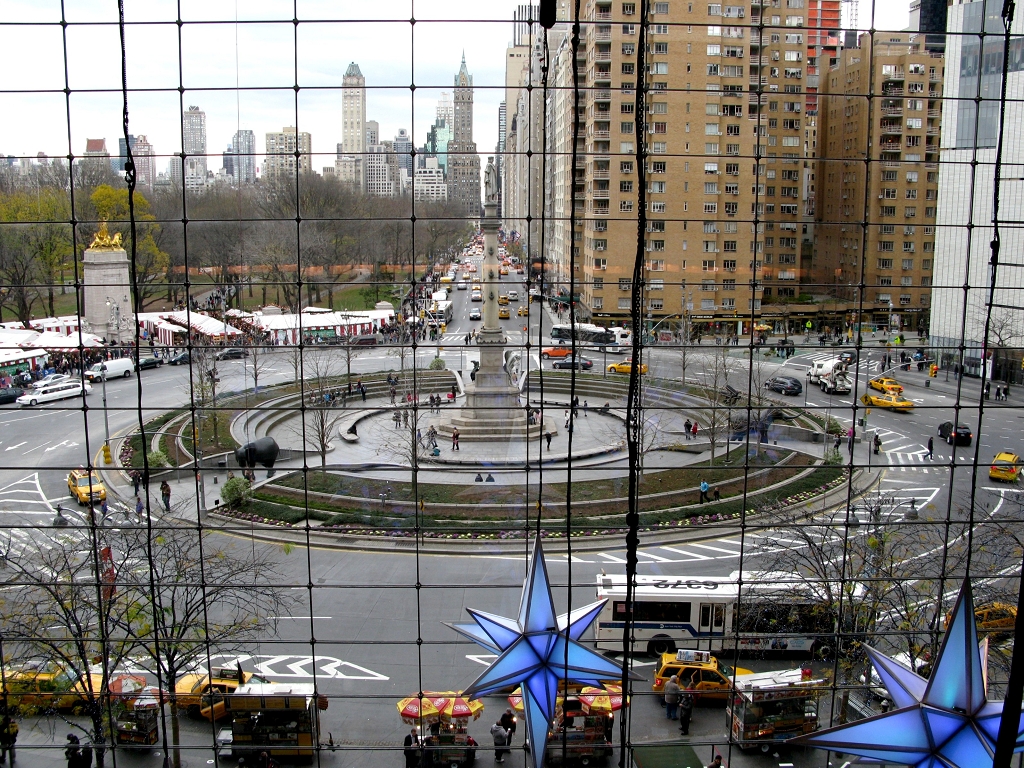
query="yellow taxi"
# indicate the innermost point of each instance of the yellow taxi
(86, 486)
(504, 314)
(191, 688)
(997, 618)
(465, 276)
(1005, 466)
(625, 366)
(523, 311)
(37, 683)
(886, 384)
(476, 287)
(710, 677)
(502, 299)
(503, 271)
(891, 401)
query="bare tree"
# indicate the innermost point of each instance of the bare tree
(202, 594)
(259, 360)
(321, 416)
(713, 416)
(68, 610)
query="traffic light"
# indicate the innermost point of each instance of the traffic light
(933, 370)
(107, 459)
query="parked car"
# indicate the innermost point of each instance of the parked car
(10, 394)
(1005, 466)
(232, 353)
(62, 390)
(50, 378)
(182, 358)
(149, 362)
(784, 385)
(579, 363)
(475, 314)
(959, 436)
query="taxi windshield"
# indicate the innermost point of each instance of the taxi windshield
(85, 481)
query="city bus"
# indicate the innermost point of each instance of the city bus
(440, 312)
(776, 612)
(594, 335)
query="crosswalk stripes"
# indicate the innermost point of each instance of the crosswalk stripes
(862, 364)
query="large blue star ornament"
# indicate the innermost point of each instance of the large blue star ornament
(943, 722)
(536, 651)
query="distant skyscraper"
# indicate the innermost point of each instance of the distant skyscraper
(403, 150)
(499, 150)
(438, 138)
(193, 132)
(351, 154)
(145, 162)
(381, 168)
(281, 162)
(243, 146)
(372, 129)
(96, 156)
(463, 161)
(117, 163)
(445, 109)
(228, 161)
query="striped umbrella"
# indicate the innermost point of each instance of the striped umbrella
(415, 710)
(452, 705)
(601, 700)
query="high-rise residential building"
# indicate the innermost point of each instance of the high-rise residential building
(381, 168)
(463, 161)
(117, 163)
(351, 151)
(372, 131)
(96, 156)
(282, 163)
(970, 129)
(445, 110)
(228, 161)
(724, 172)
(823, 20)
(145, 162)
(429, 183)
(403, 150)
(499, 152)
(896, 193)
(243, 146)
(193, 132)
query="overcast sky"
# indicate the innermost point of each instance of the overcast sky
(217, 55)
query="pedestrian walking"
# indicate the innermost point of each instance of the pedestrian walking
(567, 419)
(931, 444)
(687, 426)
(999, 391)
(165, 494)
(508, 722)
(138, 508)
(454, 392)
(671, 693)
(988, 386)
(411, 749)
(716, 763)
(686, 708)
(136, 480)
(455, 438)
(362, 391)
(693, 429)
(405, 418)
(547, 437)
(704, 491)
(8, 736)
(586, 407)
(500, 738)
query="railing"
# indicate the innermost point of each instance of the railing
(933, 131)
(892, 128)
(895, 111)
(599, 174)
(602, 134)
(934, 113)
(602, 95)
(602, 37)
(601, 194)
(602, 56)
(892, 92)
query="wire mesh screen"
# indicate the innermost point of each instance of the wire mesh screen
(316, 318)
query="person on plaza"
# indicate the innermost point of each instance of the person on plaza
(693, 429)
(716, 763)
(138, 508)
(671, 693)
(586, 407)
(508, 722)
(405, 418)
(455, 438)
(8, 736)
(686, 708)
(136, 480)
(547, 438)
(988, 386)
(687, 426)
(931, 446)
(704, 487)
(73, 752)
(411, 749)
(165, 494)
(999, 391)
(567, 419)
(500, 738)
(266, 761)
(718, 494)
(877, 442)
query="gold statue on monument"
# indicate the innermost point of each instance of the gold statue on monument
(103, 241)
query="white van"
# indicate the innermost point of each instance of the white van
(59, 391)
(123, 367)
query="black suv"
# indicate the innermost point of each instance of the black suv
(232, 353)
(959, 436)
(784, 385)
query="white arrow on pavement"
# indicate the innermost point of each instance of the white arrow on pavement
(484, 659)
(331, 670)
(62, 443)
(14, 446)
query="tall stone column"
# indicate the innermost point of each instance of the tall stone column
(106, 285)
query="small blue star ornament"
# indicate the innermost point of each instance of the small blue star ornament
(943, 722)
(537, 651)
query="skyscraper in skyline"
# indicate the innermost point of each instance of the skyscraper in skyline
(193, 136)
(351, 158)
(243, 145)
(145, 165)
(463, 161)
(282, 163)
(372, 129)
(117, 163)
(403, 149)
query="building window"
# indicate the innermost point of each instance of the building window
(904, 299)
(707, 304)
(657, 187)
(628, 9)
(625, 186)
(625, 302)
(659, 147)
(626, 127)
(656, 284)
(598, 301)
(626, 166)
(601, 264)
(660, 8)
(625, 206)
(626, 147)
(709, 265)
(885, 263)
(625, 284)
(598, 283)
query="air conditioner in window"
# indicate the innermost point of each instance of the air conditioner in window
(599, 248)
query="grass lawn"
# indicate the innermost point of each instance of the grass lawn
(669, 756)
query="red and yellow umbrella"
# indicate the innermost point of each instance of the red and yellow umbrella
(516, 699)
(415, 710)
(452, 705)
(601, 700)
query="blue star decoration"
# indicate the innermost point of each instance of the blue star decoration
(943, 722)
(537, 651)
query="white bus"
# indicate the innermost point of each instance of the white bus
(440, 312)
(777, 613)
(587, 334)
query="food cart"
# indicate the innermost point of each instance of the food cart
(282, 719)
(586, 735)
(769, 707)
(445, 716)
(136, 726)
